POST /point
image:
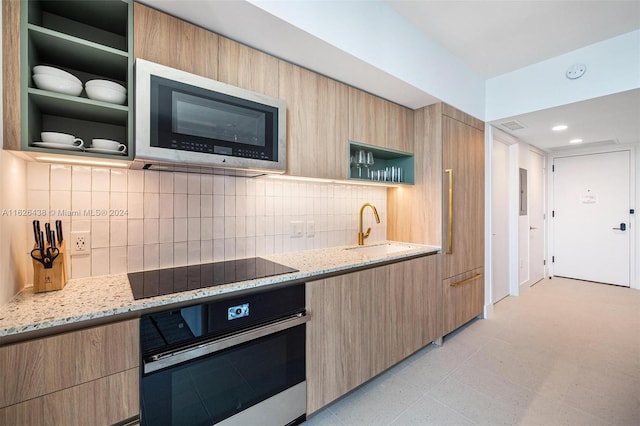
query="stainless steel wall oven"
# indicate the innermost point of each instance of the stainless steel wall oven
(237, 360)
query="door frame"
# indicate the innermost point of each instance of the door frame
(634, 166)
(545, 191)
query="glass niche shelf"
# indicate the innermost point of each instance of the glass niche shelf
(376, 164)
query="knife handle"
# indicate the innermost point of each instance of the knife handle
(47, 232)
(53, 240)
(59, 231)
(41, 243)
(36, 231)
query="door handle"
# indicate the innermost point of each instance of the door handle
(623, 227)
(531, 228)
(450, 205)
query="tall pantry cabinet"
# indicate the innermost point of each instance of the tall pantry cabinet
(446, 206)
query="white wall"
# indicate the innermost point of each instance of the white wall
(613, 66)
(523, 221)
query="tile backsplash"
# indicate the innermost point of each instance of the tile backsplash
(141, 220)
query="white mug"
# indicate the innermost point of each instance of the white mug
(108, 144)
(62, 138)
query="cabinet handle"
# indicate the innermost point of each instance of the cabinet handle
(468, 280)
(450, 218)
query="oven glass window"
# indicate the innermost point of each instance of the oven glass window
(212, 388)
(211, 119)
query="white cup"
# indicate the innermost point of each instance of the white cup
(62, 138)
(108, 144)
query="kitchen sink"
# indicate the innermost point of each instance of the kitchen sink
(383, 249)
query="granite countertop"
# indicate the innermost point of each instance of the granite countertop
(109, 297)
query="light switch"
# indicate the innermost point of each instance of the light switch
(311, 228)
(297, 229)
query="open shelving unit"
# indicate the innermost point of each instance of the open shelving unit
(383, 158)
(91, 40)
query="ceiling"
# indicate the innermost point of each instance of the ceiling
(491, 37)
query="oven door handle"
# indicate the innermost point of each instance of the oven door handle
(165, 360)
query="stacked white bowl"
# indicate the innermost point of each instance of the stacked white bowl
(106, 91)
(56, 80)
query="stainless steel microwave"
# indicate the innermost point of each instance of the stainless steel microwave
(189, 122)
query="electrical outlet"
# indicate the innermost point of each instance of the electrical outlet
(297, 228)
(80, 243)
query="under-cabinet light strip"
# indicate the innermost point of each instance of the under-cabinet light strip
(83, 162)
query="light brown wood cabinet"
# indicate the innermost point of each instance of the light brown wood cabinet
(463, 298)
(85, 377)
(364, 322)
(316, 123)
(376, 121)
(169, 41)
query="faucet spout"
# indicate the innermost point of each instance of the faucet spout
(362, 235)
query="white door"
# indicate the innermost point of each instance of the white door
(500, 221)
(536, 216)
(591, 201)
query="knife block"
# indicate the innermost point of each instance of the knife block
(54, 278)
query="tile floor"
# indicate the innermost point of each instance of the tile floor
(565, 352)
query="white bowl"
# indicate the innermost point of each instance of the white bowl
(105, 94)
(57, 84)
(106, 83)
(44, 69)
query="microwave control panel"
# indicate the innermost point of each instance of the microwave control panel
(218, 149)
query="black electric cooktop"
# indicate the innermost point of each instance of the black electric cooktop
(174, 280)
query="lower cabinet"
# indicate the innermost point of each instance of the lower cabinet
(462, 298)
(85, 377)
(364, 322)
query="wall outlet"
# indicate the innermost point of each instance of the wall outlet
(79, 243)
(311, 228)
(297, 230)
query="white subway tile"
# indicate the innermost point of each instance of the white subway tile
(229, 248)
(118, 231)
(218, 206)
(151, 231)
(81, 178)
(118, 202)
(261, 246)
(241, 186)
(166, 205)
(151, 205)
(180, 183)
(260, 188)
(118, 180)
(251, 187)
(251, 226)
(193, 229)
(193, 205)
(118, 260)
(39, 200)
(180, 255)
(241, 248)
(135, 205)
(135, 258)
(135, 232)
(241, 226)
(100, 263)
(218, 185)
(269, 225)
(206, 206)
(218, 250)
(151, 256)
(206, 184)
(229, 227)
(165, 230)
(37, 176)
(193, 184)
(180, 208)
(206, 228)
(100, 233)
(229, 185)
(166, 255)
(100, 179)
(151, 181)
(206, 251)
(229, 205)
(81, 202)
(193, 252)
(269, 244)
(79, 224)
(251, 247)
(218, 228)
(261, 230)
(60, 177)
(241, 205)
(166, 183)
(100, 204)
(180, 229)
(80, 266)
(135, 181)
(251, 206)
(59, 204)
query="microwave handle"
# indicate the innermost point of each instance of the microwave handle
(168, 359)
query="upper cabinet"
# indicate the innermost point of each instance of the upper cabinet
(242, 66)
(169, 41)
(378, 122)
(90, 41)
(316, 123)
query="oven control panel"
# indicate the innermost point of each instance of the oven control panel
(238, 311)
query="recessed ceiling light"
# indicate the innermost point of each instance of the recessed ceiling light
(575, 141)
(559, 127)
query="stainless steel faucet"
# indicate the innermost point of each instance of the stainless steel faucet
(362, 236)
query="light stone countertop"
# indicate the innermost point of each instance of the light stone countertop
(108, 298)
